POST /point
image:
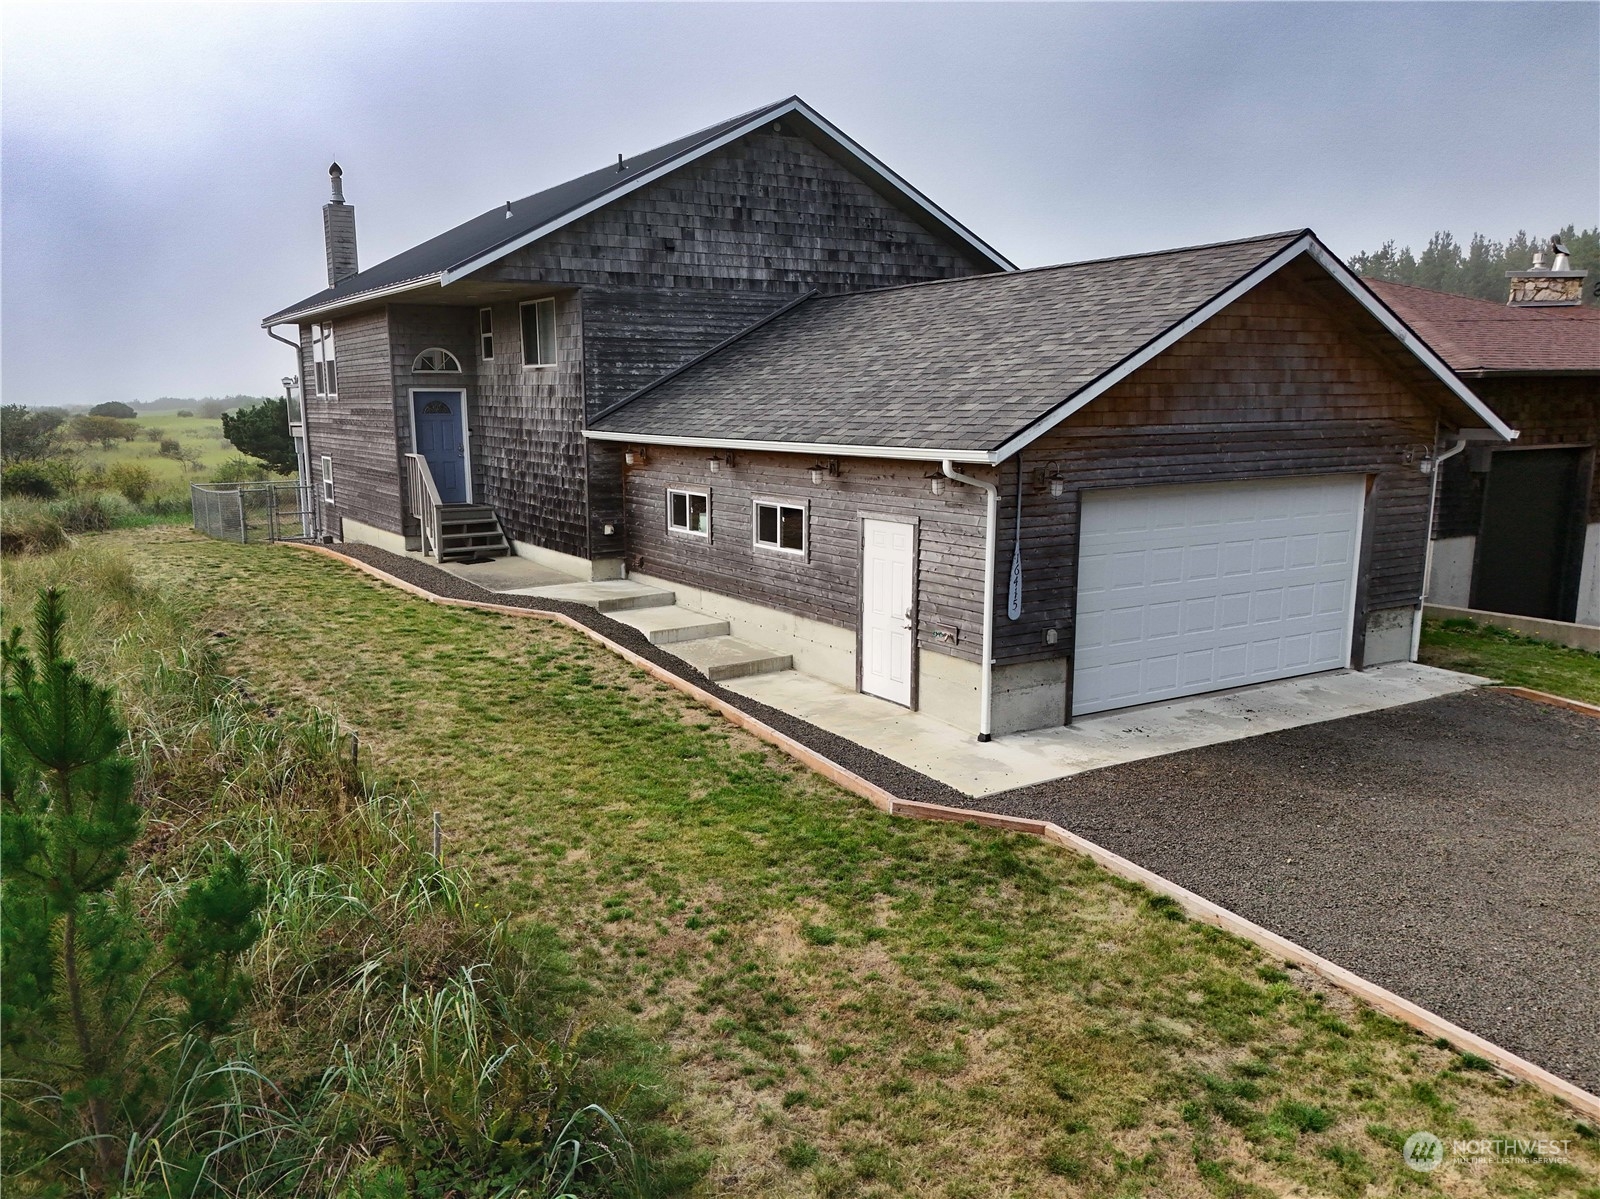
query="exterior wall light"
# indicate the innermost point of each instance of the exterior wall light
(936, 482)
(713, 464)
(1058, 486)
(825, 470)
(634, 457)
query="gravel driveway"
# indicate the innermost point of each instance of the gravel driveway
(1447, 850)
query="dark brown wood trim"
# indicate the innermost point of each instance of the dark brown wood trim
(1358, 620)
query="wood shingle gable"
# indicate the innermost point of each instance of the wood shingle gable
(976, 368)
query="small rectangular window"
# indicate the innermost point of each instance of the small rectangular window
(327, 479)
(486, 334)
(539, 333)
(781, 526)
(322, 361)
(689, 512)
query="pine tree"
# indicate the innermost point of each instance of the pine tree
(89, 999)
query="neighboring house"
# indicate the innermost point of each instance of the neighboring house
(1518, 526)
(1022, 497)
(484, 351)
(760, 368)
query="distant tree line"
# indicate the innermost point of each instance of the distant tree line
(1479, 268)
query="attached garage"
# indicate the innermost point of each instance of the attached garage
(1183, 590)
(1104, 484)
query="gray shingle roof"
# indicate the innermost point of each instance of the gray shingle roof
(482, 234)
(956, 365)
(493, 232)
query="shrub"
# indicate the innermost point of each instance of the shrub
(29, 433)
(28, 480)
(115, 408)
(93, 512)
(28, 527)
(170, 448)
(183, 412)
(239, 470)
(103, 429)
(132, 480)
(153, 433)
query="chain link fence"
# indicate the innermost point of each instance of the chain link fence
(279, 511)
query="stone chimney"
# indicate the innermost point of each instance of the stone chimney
(1558, 287)
(339, 231)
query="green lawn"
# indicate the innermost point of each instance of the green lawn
(856, 1004)
(1512, 659)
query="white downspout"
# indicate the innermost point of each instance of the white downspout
(1427, 563)
(986, 675)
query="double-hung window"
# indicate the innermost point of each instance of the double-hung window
(780, 526)
(323, 363)
(689, 512)
(538, 332)
(486, 334)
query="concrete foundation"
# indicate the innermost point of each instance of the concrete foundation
(1575, 636)
(1589, 581)
(1029, 695)
(1450, 571)
(1389, 636)
(365, 534)
(598, 570)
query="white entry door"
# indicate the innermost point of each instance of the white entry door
(888, 566)
(1200, 588)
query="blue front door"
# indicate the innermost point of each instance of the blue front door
(440, 441)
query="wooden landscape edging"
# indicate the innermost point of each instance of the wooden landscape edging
(1555, 701)
(1196, 907)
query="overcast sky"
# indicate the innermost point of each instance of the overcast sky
(164, 166)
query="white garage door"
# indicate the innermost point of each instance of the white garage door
(1190, 589)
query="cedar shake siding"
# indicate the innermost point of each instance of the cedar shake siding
(1550, 411)
(1275, 385)
(769, 212)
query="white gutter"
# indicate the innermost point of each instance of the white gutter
(1427, 560)
(911, 453)
(986, 676)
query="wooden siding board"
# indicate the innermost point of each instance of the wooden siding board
(357, 430)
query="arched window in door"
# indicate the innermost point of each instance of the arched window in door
(436, 408)
(435, 361)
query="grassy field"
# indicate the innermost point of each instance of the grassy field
(856, 1005)
(1513, 659)
(193, 432)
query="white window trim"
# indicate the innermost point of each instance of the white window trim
(418, 369)
(522, 328)
(319, 366)
(678, 531)
(486, 334)
(804, 508)
(327, 479)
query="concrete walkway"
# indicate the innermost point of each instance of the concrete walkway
(1023, 759)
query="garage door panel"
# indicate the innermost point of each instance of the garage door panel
(1195, 588)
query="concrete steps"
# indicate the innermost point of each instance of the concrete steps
(704, 642)
(670, 625)
(609, 596)
(720, 658)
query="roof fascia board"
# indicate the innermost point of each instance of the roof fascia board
(822, 449)
(360, 297)
(461, 270)
(1386, 317)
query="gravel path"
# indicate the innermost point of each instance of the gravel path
(1447, 850)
